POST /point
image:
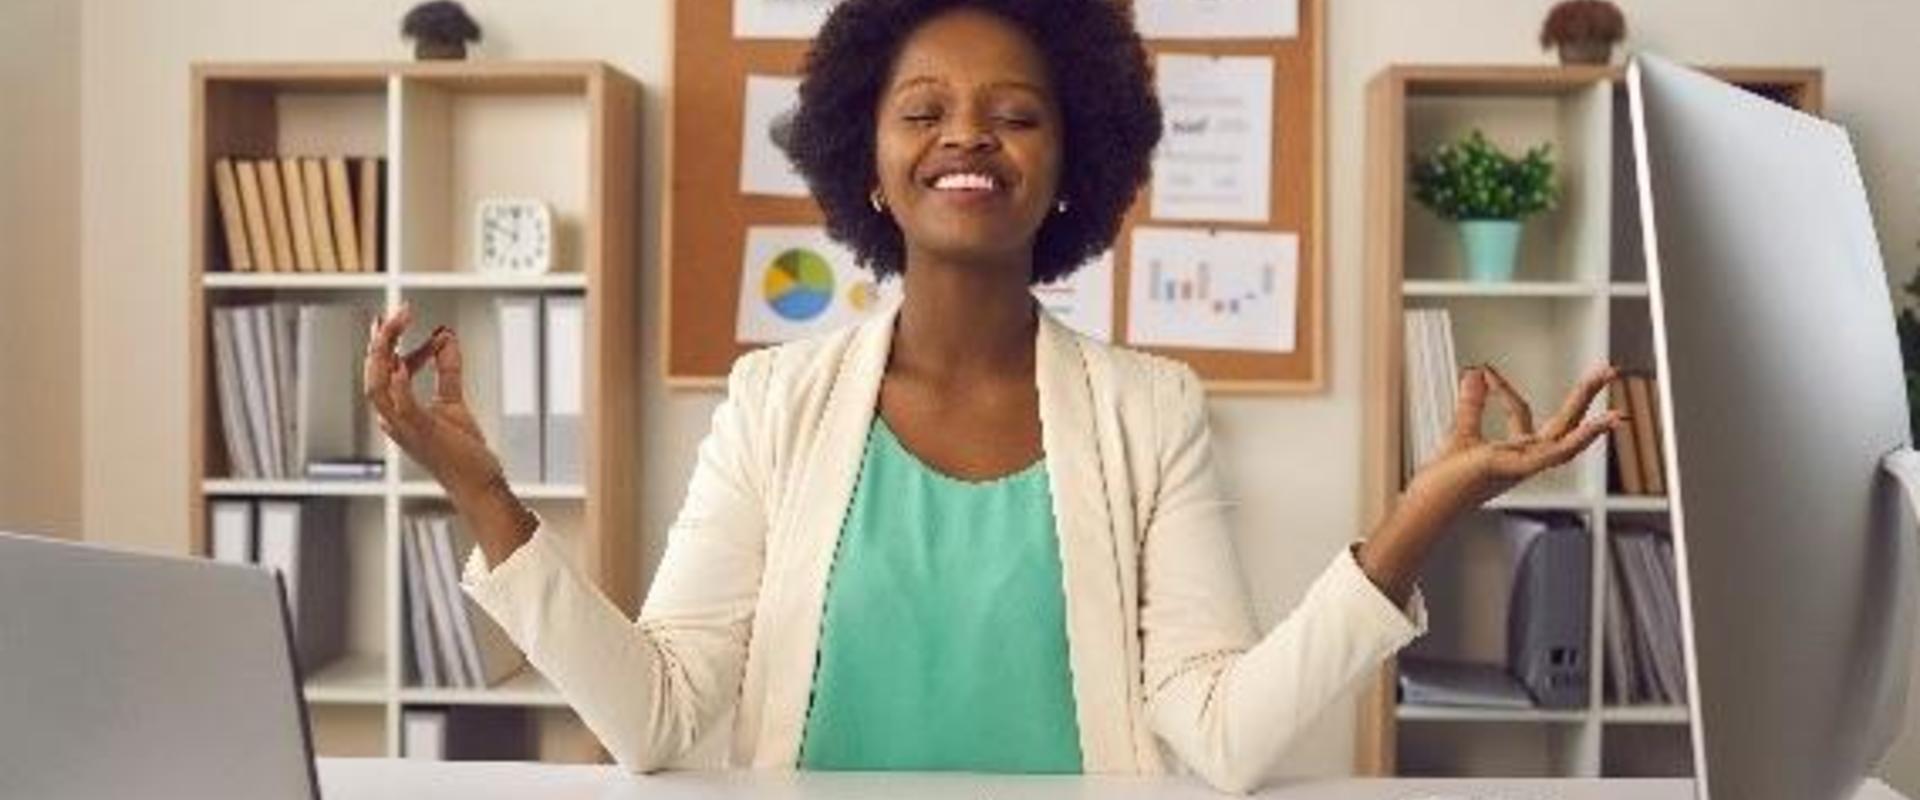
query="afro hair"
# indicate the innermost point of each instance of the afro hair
(1102, 83)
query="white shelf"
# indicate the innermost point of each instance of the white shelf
(1635, 289)
(1647, 715)
(1452, 288)
(340, 488)
(525, 491)
(355, 678)
(1542, 501)
(523, 688)
(1420, 713)
(295, 280)
(491, 281)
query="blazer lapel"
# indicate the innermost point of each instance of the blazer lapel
(1089, 566)
(824, 480)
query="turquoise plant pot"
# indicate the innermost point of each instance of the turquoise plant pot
(1493, 245)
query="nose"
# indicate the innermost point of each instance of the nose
(965, 133)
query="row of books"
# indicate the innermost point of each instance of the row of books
(305, 541)
(286, 380)
(452, 641)
(300, 214)
(1636, 447)
(1645, 661)
(1432, 385)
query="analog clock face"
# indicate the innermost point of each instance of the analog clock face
(515, 236)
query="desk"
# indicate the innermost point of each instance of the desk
(393, 779)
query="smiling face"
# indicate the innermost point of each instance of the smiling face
(967, 139)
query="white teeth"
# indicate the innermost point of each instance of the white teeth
(965, 180)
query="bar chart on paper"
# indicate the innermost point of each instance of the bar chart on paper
(1227, 290)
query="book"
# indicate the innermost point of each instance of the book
(368, 225)
(485, 651)
(423, 734)
(235, 426)
(253, 211)
(440, 606)
(275, 198)
(249, 344)
(421, 636)
(1626, 449)
(1618, 642)
(226, 193)
(299, 227)
(1425, 681)
(1646, 433)
(305, 541)
(319, 218)
(340, 203)
(346, 469)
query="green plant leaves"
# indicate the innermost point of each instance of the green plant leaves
(1473, 179)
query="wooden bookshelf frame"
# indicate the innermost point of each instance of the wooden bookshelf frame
(1388, 294)
(236, 111)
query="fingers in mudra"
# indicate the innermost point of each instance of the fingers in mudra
(1527, 451)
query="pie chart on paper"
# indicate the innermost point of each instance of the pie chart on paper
(798, 285)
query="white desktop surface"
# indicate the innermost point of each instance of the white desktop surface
(393, 779)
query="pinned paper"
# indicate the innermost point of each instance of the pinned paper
(1084, 299)
(1221, 290)
(1215, 156)
(779, 19)
(1217, 19)
(764, 167)
(795, 282)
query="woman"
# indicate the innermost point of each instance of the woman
(958, 535)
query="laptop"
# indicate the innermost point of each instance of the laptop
(133, 675)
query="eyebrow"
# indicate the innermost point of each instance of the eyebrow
(929, 79)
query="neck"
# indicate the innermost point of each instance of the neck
(963, 320)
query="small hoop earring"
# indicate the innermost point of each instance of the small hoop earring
(1060, 206)
(879, 203)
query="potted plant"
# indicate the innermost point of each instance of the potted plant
(1488, 193)
(440, 30)
(1584, 30)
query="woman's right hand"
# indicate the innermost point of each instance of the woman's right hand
(441, 435)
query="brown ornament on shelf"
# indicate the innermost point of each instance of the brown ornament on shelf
(1585, 31)
(440, 30)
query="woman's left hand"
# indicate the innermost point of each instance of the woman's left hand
(1471, 469)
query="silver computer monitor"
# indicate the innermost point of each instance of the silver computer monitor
(134, 675)
(1782, 394)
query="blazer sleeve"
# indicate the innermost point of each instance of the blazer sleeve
(650, 688)
(1228, 700)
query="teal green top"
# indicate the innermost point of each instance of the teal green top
(943, 645)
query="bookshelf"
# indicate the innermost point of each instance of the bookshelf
(450, 134)
(1579, 296)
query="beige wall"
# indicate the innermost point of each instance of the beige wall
(40, 267)
(1294, 462)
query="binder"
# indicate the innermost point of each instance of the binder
(231, 539)
(423, 734)
(299, 226)
(250, 348)
(520, 387)
(439, 605)
(226, 192)
(332, 340)
(565, 338)
(305, 540)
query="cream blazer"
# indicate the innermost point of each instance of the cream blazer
(1162, 641)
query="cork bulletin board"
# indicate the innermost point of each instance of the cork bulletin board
(708, 216)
